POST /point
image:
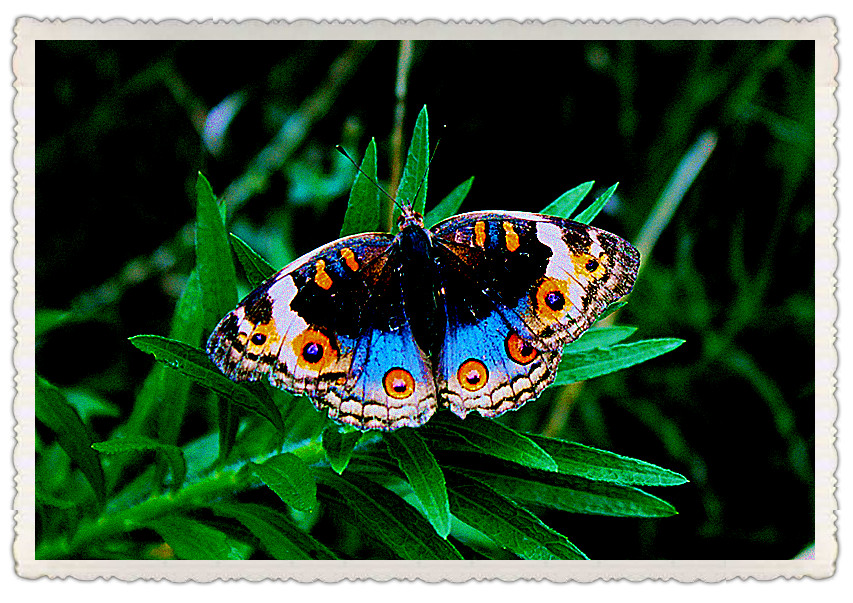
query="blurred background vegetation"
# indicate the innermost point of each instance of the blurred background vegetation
(124, 128)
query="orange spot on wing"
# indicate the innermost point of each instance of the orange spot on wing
(512, 242)
(480, 234)
(349, 258)
(322, 278)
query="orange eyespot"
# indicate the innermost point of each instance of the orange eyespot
(552, 299)
(520, 350)
(590, 266)
(313, 350)
(472, 375)
(399, 383)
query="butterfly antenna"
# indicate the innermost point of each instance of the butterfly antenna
(365, 174)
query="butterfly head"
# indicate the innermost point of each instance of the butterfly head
(409, 217)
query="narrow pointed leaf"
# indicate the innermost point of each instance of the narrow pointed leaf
(195, 364)
(489, 437)
(588, 215)
(584, 461)
(339, 442)
(214, 262)
(414, 181)
(601, 361)
(599, 337)
(505, 522)
(568, 202)
(423, 474)
(74, 438)
(385, 516)
(569, 493)
(175, 388)
(255, 267)
(290, 478)
(173, 455)
(363, 208)
(279, 536)
(228, 420)
(191, 539)
(449, 205)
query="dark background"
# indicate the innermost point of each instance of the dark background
(120, 140)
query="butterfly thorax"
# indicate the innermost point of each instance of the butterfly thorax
(420, 281)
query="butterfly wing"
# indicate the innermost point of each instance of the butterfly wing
(330, 326)
(519, 287)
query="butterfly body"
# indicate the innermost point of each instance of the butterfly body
(471, 314)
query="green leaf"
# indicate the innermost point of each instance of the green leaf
(174, 388)
(214, 263)
(565, 204)
(414, 179)
(617, 305)
(600, 465)
(74, 438)
(594, 363)
(588, 215)
(228, 421)
(363, 208)
(505, 522)
(424, 475)
(173, 455)
(599, 337)
(278, 535)
(290, 478)
(256, 268)
(568, 492)
(449, 205)
(385, 516)
(488, 437)
(195, 364)
(339, 441)
(191, 539)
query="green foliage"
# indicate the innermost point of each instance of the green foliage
(452, 489)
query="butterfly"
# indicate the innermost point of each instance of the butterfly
(381, 329)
